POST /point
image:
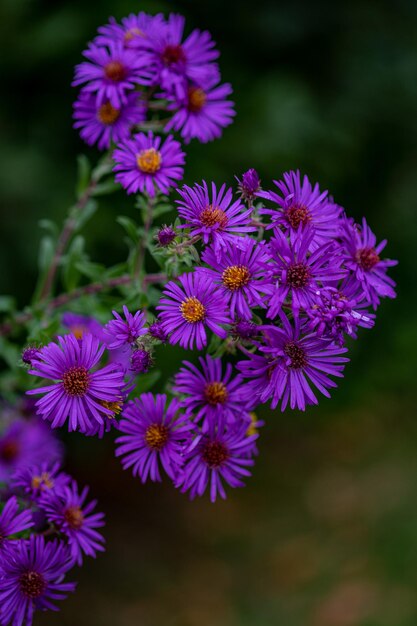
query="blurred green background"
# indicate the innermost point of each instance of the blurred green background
(325, 534)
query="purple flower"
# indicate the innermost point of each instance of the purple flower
(122, 332)
(334, 315)
(223, 454)
(243, 329)
(29, 354)
(208, 393)
(157, 331)
(132, 32)
(362, 258)
(240, 273)
(105, 124)
(80, 325)
(215, 219)
(300, 273)
(111, 71)
(294, 361)
(249, 185)
(141, 361)
(299, 203)
(186, 310)
(75, 519)
(12, 522)
(145, 164)
(25, 442)
(31, 578)
(39, 480)
(202, 112)
(78, 393)
(154, 435)
(177, 61)
(165, 236)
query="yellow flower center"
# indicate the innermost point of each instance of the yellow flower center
(210, 216)
(197, 98)
(114, 407)
(193, 310)
(132, 33)
(235, 277)
(108, 114)
(149, 161)
(44, 481)
(156, 436)
(215, 393)
(252, 430)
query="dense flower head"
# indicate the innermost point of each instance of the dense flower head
(208, 394)
(29, 354)
(240, 273)
(222, 454)
(76, 520)
(202, 111)
(25, 441)
(12, 521)
(32, 578)
(104, 123)
(154, 434)
(299, 203)
(141, 361)
(362, 257)
(249, 185)
(145, 163)
(111, 72)
(157, 331)
(299, 272)
(213, 216)
(133, 31)
(165, 236)
(36, 481)
(122, 332)
(245, 329)
(186, 309)
(80, 393)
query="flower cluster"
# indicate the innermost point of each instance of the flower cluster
(47, 526)
(145, 73)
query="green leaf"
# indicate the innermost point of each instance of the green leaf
(46, 253)
(74, 255)
(105, 188)
(94, 271)
(85, 214)
(130, 227)
(146, 382)
(84, 172)
(7, 304)
(50, 227)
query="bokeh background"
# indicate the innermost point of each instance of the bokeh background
(325, 534)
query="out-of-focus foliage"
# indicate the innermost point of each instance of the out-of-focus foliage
(326, 532)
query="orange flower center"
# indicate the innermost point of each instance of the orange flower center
(156, 436)
(193, 310)
(298, 275)
(215, 393)
(197, 98)
(296, 354)
(74, 517)
(114, 407)
(297, 214)
(132, 33)
(44, 481)
(76, 381)
(115, 71)
(173, 54)
(108, 114)
(367, 258)
(210, 216)
(149, 161)
(215, 454)
(235, 277)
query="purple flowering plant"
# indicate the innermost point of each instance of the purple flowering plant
(266, 282)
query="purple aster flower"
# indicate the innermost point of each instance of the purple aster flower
(187, 309)
(31, 578)
(105, 124)
(75, 519)
(145, 164)
(141, 361)
(12, 522)
(260, 386)
(39, 480)
(334, 315)
(156, 330)
(80, 325)
(208, 393)
(249, 185)
(154, 435)
(122, 332)
(244, 329)
(165, 236)
(240, 273)
(78, 393)
(294, 362)
(362, 258)
(214, 219)
(223, 454)
(299, 203)
(178, 61)
(111, 71)
(202, 112)
(29, 353)
(25, 442)
(132, 31)
(300, 273)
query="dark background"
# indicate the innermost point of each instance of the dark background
(325, 534)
